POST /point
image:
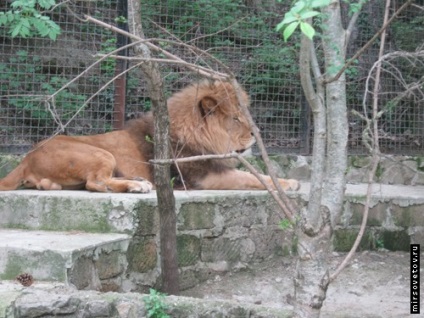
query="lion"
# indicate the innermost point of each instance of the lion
(205, 119)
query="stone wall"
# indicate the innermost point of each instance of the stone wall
(216, 234)
(408, 170)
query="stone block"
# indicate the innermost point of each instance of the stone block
(243, 212)
(300, 169)
(344, 238)
(396, 171)
(395, 240)
(142, 255)
(110, 264)
(83, 274)
(147, 219)
(188, 248)
(98, 308)
(406, 216)
(196, 216)
(188, 279)
(58, 256)
(270, 241)
(416, 234)
(47, 304)
(376, 214)
(226, 249)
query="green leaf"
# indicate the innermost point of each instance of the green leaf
(53, 34)
(320, 3)
(288, 31)
(46, 4)
(308, 14)
(277, 28)
(298, 6)
(290, 17)
(17, 4)
(3, 18)
(21, 28)
(40, 26)
(307, 30)
(11, 17)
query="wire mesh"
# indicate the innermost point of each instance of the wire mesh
(32, 69)
(400, 98)
(241, 34)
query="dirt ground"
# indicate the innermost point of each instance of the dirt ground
(375, 284)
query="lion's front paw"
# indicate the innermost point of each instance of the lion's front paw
(293, 184)
(140, 186)
(289, 184)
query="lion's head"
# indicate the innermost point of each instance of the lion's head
(206, 117)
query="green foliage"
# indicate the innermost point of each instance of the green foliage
(298, 15)
(195, 15)
(24, 74)
(273, 70)
(355, 7)
(241, 37)
(379, 243)
(285, 224)
(407, 30)
(108, 65)
(155, 305)
(25, 20)
(121, 19)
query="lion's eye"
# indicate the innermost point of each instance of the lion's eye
(236, 119)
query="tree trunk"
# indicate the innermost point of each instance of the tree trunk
(162, 175)
(328, 103)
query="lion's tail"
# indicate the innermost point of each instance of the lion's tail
(13, 180)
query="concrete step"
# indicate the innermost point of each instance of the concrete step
(84, 260)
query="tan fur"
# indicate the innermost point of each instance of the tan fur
(205, 119)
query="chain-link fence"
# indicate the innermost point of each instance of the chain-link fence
(239, 33)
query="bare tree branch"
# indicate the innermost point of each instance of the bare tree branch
(369, 43)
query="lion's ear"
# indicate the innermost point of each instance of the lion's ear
(207, 106)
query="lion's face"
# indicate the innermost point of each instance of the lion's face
(207, 118)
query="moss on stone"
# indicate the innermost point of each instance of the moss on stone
(396, 240)
(68, 214)
(420, 163)
(344, 238)
(379, 171)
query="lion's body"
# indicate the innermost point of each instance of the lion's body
(205, 119)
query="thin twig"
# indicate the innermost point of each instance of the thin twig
(147, 42)
(193, 158)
